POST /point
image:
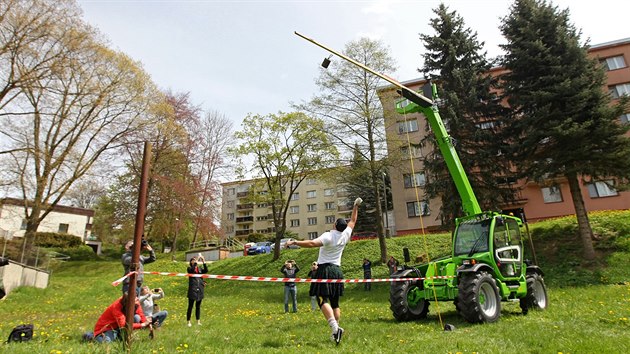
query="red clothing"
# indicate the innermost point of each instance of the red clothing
(114, 318)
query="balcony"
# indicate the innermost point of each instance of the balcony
(344, 208)
(245, 206)
(243, 232)
(247, 219)
(242, 194)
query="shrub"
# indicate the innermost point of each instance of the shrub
(54, 239)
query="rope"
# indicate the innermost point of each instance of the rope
(424, 235)
(275, 279)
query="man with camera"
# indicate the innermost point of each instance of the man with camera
(126, 262)
(289, 269)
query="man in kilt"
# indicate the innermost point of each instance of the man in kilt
(331, 245)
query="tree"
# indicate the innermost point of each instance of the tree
(354, 115)
(287, 148)
(87, 105)
(211, 142)
(562, 124)
(455, 61)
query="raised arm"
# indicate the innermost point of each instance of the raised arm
(355, 213)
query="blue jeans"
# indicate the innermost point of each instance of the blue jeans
(108, 336)
(292, 292)
(157, 318)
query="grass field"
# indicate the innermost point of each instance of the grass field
(589, 308)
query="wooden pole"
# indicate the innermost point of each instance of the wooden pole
(137, 241)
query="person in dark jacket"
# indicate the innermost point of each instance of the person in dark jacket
(126, 262)
(367, 273)
(196, 286)
(289, 269)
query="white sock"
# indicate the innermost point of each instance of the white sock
(333, 324)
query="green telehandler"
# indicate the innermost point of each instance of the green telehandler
(487, 264)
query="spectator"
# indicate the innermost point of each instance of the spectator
(3, 262)
(311, 274)
(146, 299)
(111, 323)
(126, 259)
(289, 269)
(367, 273)
(392, 264)
(196, 288)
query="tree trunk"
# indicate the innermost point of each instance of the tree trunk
(584, 226)
(379, 220)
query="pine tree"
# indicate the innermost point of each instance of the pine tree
(562, 124)
(456, 62)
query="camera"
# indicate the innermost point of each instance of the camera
(156, 290)
(144, 243)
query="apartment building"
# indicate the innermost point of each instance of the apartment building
(538, 202)
(313, 209)
(62, 219)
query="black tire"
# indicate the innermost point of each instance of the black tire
(399, 301)
(478, 298)
(536, 297)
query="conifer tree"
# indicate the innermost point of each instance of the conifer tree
(456, 62)
(563, 126)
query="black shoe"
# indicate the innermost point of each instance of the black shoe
(337, 335)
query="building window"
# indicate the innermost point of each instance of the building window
(408, 126)
(23, 226)
(312, 207)
(413, 209)
(311, 194)
(312, 221)
(295, 222)
(551, 194)
(229, 229)
(625, 118)
(262, 205)
(230, 216)
(312, 235)
(328, 192)
(295, 196)
(414, 152)
(330, 219)
(231, 191)
(311, 181)
(601, 189)
(617, 91)
(330, 205)
(230, 204)
(417, 181)
(262, 218)
(63, 228)
(614, 63)
(294, 209)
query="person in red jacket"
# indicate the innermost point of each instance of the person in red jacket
(112, 322)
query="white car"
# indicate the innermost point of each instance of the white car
(283, 243)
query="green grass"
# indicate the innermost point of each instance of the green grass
(588, 312)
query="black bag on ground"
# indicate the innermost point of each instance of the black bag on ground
(21, 333)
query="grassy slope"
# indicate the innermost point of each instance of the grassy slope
(589, 307)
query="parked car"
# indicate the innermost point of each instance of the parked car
(247, 246)
(365, 235)
(259, 248)
(283, 243)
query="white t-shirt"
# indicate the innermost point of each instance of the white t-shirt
(333, 244)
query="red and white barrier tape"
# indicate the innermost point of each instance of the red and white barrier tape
(280, 280)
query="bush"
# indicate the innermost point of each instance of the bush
(81, 253)
(57, 240)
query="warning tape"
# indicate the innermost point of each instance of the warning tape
(280, 280)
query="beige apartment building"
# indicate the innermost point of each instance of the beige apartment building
(414, 212)
(313, 210)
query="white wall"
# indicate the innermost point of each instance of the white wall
(11, 217)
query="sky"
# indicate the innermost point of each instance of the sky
(238, 57)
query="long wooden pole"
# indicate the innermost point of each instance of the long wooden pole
(137, 241)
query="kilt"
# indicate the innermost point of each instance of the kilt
(329, 290)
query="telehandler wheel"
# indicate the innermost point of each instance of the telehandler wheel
(404, 302)
(478, 298)
(536, 297)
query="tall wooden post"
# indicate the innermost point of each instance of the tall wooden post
(137, 241)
